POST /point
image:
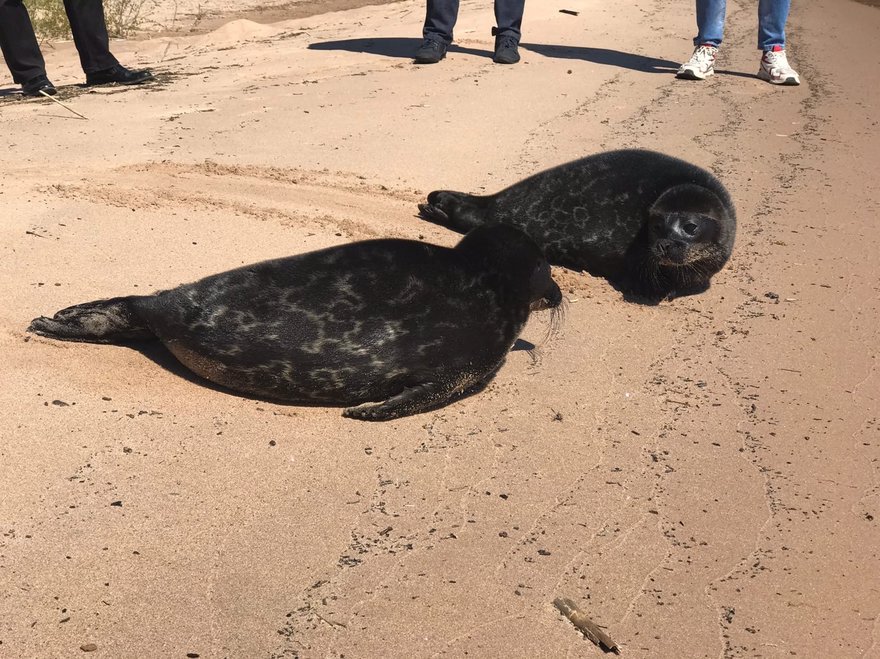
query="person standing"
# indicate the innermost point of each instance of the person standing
(25, 61)
(772, 16)
(440, 20)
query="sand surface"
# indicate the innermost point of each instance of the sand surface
(700, 476)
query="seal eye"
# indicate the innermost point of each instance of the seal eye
(690, 228)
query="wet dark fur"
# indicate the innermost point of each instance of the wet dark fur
(394, 327)
(622, 215)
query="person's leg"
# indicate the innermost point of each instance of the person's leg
(772, 16)
(710, 32)
(93, 45)
(508, 18)
(710, 22)
(437, 32)
(90, 34)
(775, 69)
(440, 20)
(19, 43)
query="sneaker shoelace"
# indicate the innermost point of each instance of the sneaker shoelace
(777, 60)
(507, 42)
(704, 55)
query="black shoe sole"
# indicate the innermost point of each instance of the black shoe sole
(135, 81)
(41, 84)
(428, 60)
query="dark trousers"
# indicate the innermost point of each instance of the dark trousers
(442, 15)
(22, 52)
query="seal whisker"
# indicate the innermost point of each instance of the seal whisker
(535, 354)
(554, 322)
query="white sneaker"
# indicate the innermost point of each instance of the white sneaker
(701, 64)
(775, 69)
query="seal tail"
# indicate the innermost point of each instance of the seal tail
(456, 210)
(103, 321)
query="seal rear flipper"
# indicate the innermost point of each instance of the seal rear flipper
(103, 321)
(412, 400)
(456, 210)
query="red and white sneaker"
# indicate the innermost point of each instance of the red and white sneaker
(700, 66)
(776, 70)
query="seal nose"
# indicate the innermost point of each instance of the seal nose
(552, 298)
(670, 251)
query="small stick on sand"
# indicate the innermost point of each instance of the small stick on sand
(589, 628)
(52, 98)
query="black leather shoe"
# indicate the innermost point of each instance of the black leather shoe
(506, 50)
(430, 52)
(118, 75)
(34, 86)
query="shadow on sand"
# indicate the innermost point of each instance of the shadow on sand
(400, 47)
(405, 48)
(604, 56)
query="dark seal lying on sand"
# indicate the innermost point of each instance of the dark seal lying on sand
(654, 226)
(390, 327)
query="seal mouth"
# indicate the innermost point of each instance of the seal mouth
(551, 300)
(670, 254)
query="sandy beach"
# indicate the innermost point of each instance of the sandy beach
(700, 476)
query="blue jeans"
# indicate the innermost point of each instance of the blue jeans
(442, 15)
(772, 15)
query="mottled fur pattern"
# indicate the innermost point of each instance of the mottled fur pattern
(624, 215)
(404, 323)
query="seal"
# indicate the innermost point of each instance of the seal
(386, 327)
(655, 226)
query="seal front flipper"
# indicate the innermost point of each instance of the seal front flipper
(456, 210)
(412, 400)
(433, 213)
(102, 321)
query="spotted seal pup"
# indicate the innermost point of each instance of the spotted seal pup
(387, 327)
(655, 226)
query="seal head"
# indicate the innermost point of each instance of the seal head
(688, 237)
